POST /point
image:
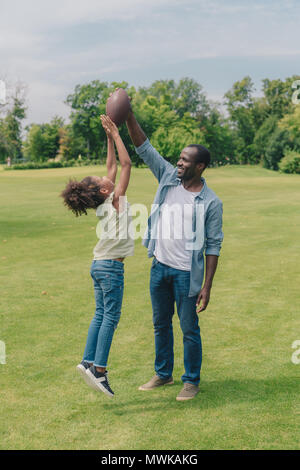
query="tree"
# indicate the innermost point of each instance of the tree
(219, 138)
(278, 95)
(263, 136)
(11, 125)
(185, 97)
(42, 141)
(291, 123)
(240, 103)
(34, 144)
(278, 144)
(4, 143)
(170, 141)
(290, 163)
(87, 103)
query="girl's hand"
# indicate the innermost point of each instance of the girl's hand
(109, 126)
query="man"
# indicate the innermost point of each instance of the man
(177, 270)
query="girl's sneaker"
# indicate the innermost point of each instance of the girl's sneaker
(82, 369)
(100, 381)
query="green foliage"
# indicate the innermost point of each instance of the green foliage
(263, 136)
(71, 145)
(254, 120)
(173, 115)
(42, 140)
(34, 165)
(240, 103)
(38, 165)
(184, 97)
(4, 144)
(278, 143)
(291, 123)
(278, 95)
(87, 103)
(11, 126)
(219, 138)
(290, 163)
(170, 141)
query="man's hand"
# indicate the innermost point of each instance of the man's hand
(210, 268)
(203, 297)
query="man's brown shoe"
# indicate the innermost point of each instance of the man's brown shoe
(188, 392)
(156, 382)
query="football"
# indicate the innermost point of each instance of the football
(118, 106)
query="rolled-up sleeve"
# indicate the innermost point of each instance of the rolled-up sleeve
(213, 228)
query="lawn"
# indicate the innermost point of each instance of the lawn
(249, 395)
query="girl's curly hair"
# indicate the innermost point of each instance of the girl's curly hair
(81, 195)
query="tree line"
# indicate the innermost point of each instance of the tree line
(242, 129)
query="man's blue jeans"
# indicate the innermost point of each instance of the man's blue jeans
(108, 277)
(167, 286)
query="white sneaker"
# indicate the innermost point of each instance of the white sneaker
(82, 369)
(100, 381)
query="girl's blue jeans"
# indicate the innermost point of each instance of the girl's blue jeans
(108, 277)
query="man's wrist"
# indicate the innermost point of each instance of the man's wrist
(130, 116)
(207, 285)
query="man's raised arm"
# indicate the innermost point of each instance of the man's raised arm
(136, 133)
(145, 150)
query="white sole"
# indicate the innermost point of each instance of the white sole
(82, 371)
(153, 388)
(184, 399)
(97, 385)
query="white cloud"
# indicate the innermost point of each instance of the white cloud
(45, 14)
(46, 100)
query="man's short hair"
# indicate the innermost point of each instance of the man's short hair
(202, 155)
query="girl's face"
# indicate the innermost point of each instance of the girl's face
(107, 186)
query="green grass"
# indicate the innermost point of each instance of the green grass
(249, 387)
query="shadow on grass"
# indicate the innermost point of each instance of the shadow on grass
(214, 394)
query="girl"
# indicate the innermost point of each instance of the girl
(107, 269)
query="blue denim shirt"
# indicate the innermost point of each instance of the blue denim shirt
(166, 175)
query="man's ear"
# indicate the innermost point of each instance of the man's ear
(201, 166)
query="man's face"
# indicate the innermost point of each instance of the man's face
(186, 166)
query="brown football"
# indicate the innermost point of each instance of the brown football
(118, 106)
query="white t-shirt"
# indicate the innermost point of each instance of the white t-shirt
(174, 229)
(112, 230)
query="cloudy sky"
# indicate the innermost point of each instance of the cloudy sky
(53, 45)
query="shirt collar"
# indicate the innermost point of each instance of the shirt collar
(203, 191)
(176, 181)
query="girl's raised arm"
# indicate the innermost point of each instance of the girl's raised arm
(111, 161)
(124, 159)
